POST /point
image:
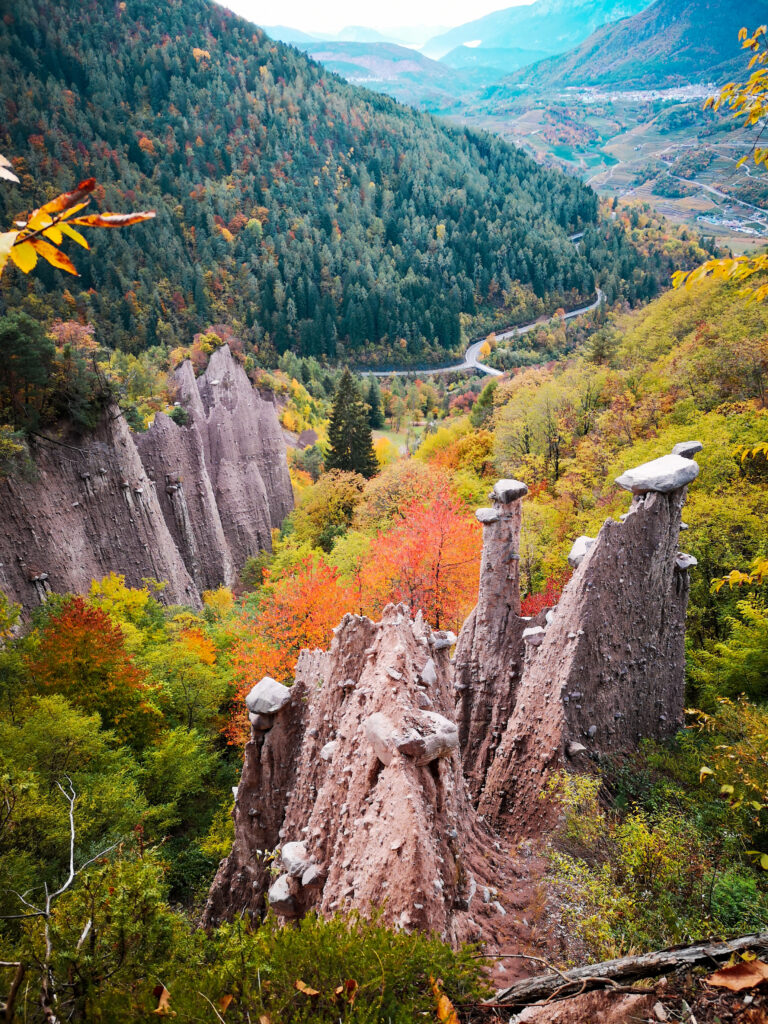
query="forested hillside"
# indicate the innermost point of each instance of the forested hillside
(305, 213)
(667, 44)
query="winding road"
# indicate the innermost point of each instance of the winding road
(471, 361)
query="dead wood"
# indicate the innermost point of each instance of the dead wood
(628, 968)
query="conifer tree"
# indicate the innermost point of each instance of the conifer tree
(349, 433)
(375, 414)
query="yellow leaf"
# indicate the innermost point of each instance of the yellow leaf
(74, 235)
(163, 997)
(53, 255)
(446, 1012)
(6, 244)
(24, 256)
(704, 772)
(54, 234)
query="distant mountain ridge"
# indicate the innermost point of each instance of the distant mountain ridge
(672, 42)
(551, 26)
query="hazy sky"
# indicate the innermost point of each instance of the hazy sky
(333, 15)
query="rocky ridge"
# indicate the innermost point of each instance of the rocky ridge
(182, 504)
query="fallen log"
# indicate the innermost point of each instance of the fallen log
(625, 969)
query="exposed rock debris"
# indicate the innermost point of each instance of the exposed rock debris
(358, 784)
(182, 504)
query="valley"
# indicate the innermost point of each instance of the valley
(627, 145)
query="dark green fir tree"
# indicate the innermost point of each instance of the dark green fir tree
(349, 433)
(375, 414)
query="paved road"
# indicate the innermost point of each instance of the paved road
(471, 361)
(716, 192)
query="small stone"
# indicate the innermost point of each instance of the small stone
(665, 474)
(506, 491)
(486, 516)
(314, 875)
(261, 723)
(295, 859)
(592, 731)
(438, 737)
(428, 673)
(534, 635)
(280, 898)
(267, 697)
(660, 1012)
(443, 639)
(684, 561)
(580, 547)
(382, 735)
(574, 748)
(328, 750)
(687, 449)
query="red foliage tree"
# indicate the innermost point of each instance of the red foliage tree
(549, 596)
(81, 655)
(430, 560)
(296, 612)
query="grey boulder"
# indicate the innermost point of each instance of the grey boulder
(267, 697)
(506, 491)
(665, 474)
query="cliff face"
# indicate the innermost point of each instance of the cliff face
(182, 504)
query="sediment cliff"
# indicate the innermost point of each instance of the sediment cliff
(390, 776)
(182, 504)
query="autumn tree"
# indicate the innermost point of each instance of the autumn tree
(349, 433)
(297, 611)
(81, 655)
(430, 560)
(748, 102)
(326, 510)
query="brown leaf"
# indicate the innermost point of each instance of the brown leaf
(301, 987)
(67, 199)
(224, 1002)
(348, 990)
(163, 997)
(740, 976)
(113, 220)
(446, 1012)
(264, 1019)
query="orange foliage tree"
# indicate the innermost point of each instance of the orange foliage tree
(430, 560)
(297, 611)
(81, 655)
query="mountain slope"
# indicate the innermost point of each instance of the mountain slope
(304, 212)
(549, 25)
(405, 74)
(670, 43)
